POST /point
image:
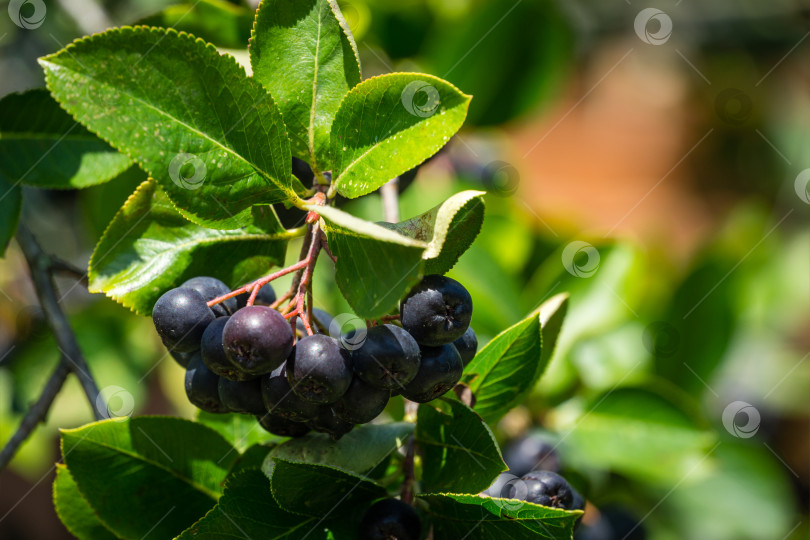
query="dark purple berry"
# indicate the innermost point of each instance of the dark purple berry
(202, 386)
(388, 358)
(535, 451)
(548, 489)
(211, 288)
(280, 400)
(319, 370)
(182, 358)
(361, 403)
(278, 425)
(242, 396)
(181, 316)
(257, 339)
(467, 346)
(390, 519)
(213, 352)
(437, 311)
(265, 297)
(439, 371)
(326, 421)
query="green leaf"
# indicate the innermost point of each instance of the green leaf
(448, 229)
(42, 146)
(149, 248)
(213, 138)
(484, 518)
(217, 21)
(635, 432)
(552, 314)
(10, 208)
(511, 67)
(320, 491)
(303, 53)
(375, 266)
(459, 451)
(148, 475)
(242, 431)
(507, 368)
(74, 511)
(389, 124)
(247, 509)
(359, 451)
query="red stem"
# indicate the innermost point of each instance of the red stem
(258, 284)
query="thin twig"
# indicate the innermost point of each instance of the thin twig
(37, 413)
(41, 268)
(406, 494)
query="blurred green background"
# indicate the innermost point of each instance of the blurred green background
(648, 162)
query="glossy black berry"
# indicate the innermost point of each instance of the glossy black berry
(388, 358)
(361, 403)
(278, 425)
(264, 297)
(242, 396)
(437, 311)
(326, 421)
(182, 358)
(211, 288)
(319, 369)
(280, 400)
(257, 339)
(181, 316)
(535, 451)
(202, 386)
(213, 352)
(467, 346)
(439, 371)
(548, 489)
(390, 519)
